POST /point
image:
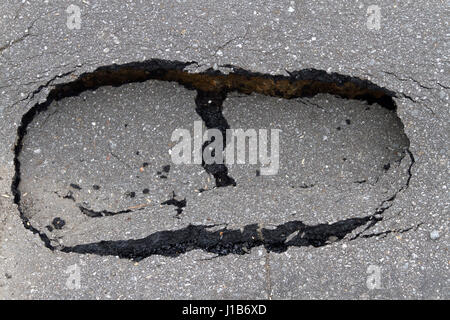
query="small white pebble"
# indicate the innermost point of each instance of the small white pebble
(434, 235)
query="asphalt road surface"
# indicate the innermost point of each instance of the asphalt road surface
(93, 205)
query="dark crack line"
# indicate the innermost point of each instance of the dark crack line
(27, 30)
(103, 213)
(32, 94)
(268, 276)
(223, 46)
(69, 195)
(309, 104)
(408, 79)
(222, 242)
(13, 42)
(442, 86)
(209, 108)
(179, 204)
(21, 38)
(388, 203)
(384, 234)
(414, 101)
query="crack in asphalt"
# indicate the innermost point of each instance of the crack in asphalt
(179, 204)
(383, 234)
(408, 79)
(240, 241)
(223, 241)
(269, 288)
(103, 213)
(27, 33)
(209, 108)
(414, 101)
(388, 203)
(212, 87)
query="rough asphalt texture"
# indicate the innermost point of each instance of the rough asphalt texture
(408, 55)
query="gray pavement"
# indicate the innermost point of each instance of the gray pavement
(323, 227)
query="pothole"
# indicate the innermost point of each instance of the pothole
(95, 173)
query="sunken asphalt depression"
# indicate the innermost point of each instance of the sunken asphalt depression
(224, 150)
